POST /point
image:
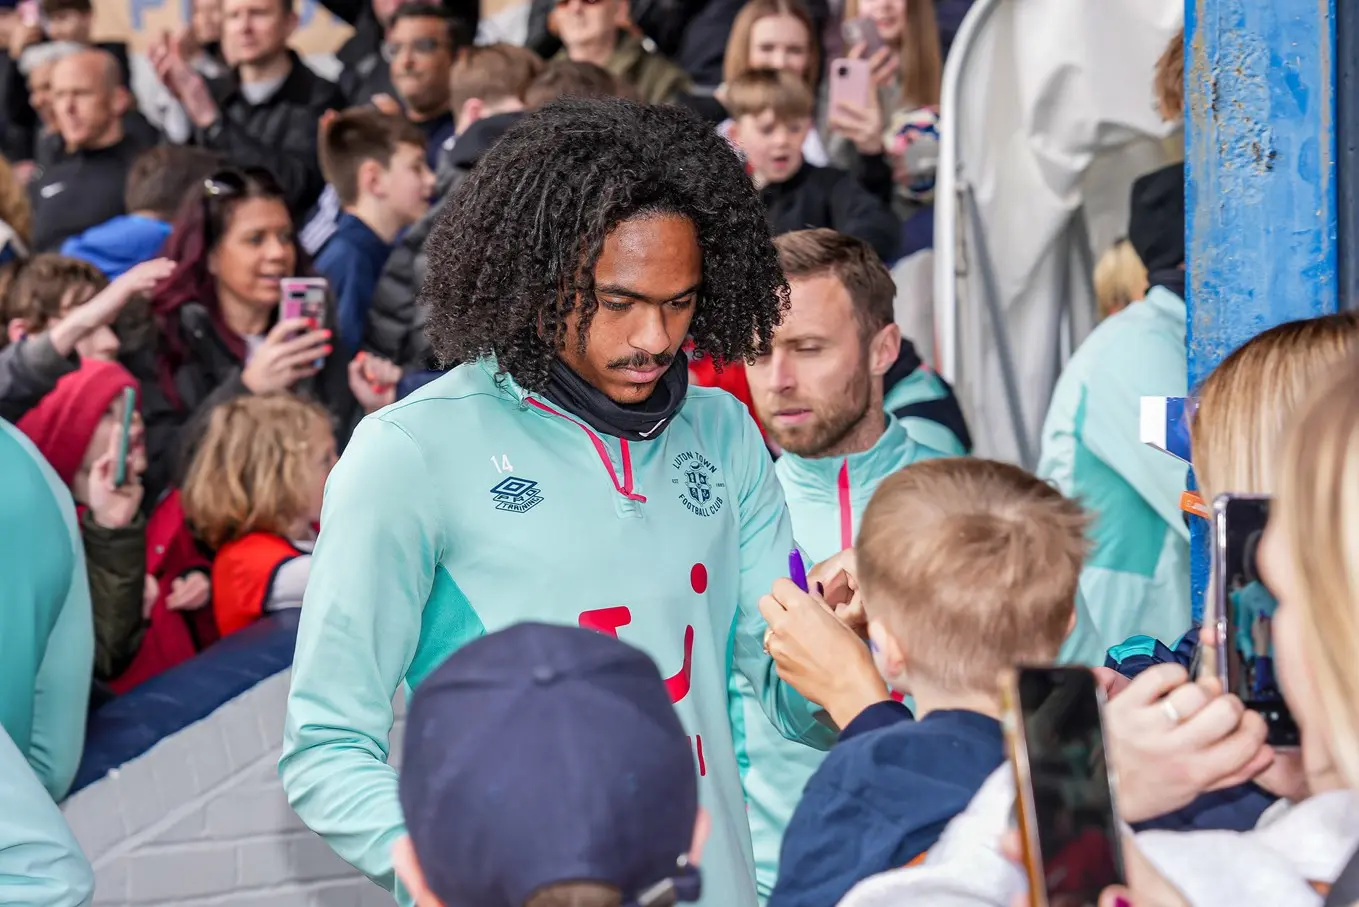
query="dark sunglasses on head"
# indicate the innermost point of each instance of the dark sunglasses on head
(423, 47)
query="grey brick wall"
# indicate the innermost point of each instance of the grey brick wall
(201, 820)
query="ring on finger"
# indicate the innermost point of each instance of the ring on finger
(1171, 712)
(768, 636)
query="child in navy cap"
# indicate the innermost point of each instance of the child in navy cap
(544, 766)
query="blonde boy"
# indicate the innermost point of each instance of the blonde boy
(966, 567)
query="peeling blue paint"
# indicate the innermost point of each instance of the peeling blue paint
(1260, 93)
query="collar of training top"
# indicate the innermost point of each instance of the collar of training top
(642, 421)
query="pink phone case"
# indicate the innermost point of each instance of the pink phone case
(851, 82)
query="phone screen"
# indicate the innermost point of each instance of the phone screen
(1072, 804)
(1245, 615)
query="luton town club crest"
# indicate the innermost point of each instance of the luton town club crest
(701, 488)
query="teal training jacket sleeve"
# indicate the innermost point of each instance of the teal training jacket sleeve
(1113, 419)
(61, 693)
(41, 864)
(371, 574)
(766, 540)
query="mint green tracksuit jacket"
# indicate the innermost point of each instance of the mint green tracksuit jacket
(40, 862)
(921, 386)
(46, 622)
(1136, 579)
(826, 498)
(472, 505)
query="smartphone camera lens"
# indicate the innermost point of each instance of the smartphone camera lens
(844, 71)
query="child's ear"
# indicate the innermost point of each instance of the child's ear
(412, 877)
(17, 330)
(370, 177)
(734, 133)
(888, 655)
(883, 350)
(471, 111)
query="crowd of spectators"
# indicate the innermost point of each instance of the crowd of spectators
(167, 431)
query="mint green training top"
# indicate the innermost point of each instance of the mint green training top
(826, 498)
(472, 505)
(46, 624)
(40, 862)
(1136, 579)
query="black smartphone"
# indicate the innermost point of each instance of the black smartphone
(1243, 614)
(1067, 818)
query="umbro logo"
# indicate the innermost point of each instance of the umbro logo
(516, 495)
(52, 189)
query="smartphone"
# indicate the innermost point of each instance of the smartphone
(862, 31)
(1243, 612)
(1065, 804)
(125, 438)
(304, 297)
(851, 82)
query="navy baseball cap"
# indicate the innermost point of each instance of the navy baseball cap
(544, 754)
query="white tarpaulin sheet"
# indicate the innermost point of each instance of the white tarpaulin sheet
(1049, 116)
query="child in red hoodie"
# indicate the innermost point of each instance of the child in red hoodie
(78, 428)
(254, 494)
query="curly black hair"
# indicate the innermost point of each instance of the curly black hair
(517, 244)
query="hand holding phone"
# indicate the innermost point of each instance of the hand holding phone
(862, 32)
(1068, 823)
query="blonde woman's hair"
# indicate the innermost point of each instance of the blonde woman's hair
(1168, 80)
(252, 469)
(757, 90)
(14, 207)
(737, 59)
(976, 563)
(1317, 507)
(1244, 405)
(922, 58)
(1120, 278)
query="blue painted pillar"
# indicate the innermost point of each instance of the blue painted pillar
(1261, 177)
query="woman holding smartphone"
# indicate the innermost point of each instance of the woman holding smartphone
(220, 330)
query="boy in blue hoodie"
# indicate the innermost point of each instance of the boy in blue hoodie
(157, 183)
(376, 162)
(966, 567)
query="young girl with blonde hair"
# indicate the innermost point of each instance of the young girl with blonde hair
(253, 493)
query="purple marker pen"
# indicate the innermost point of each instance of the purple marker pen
(796, 572)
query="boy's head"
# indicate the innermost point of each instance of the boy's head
(771, 112)
(68, 20)
(161, 177)
(609, 817)
(368, 155)
(571, 79)
(967, 567)
(44, 291)
(489, 80)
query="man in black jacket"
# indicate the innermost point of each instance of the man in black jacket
(83, 184)
(265, 112)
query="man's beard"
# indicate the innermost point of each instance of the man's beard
(832, 420)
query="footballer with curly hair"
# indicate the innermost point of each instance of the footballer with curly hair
(563, 471)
